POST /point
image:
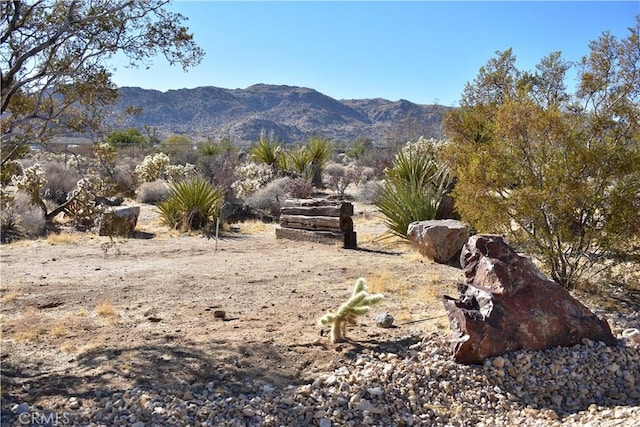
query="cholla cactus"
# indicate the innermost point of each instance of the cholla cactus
(359, 303)
(152, 168)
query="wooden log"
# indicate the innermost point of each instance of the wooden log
(313, 223)
(311, 202)
(344, 210)
(348, 238)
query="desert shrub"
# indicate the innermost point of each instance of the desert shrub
(555, 171)
(9, 170)
(413, 188)
(10, 229)
(157, 166)
(124, 181)
(32, 182)
(192, 204)
(269, 198)
(32, 220)
(252, 177)
(152, 168)
(300, 188)
(152, 192)
(81, 204)
(341, 176)
(19, 219)
(60, 180)
(180, 150)
(221, 169)
(369, 191)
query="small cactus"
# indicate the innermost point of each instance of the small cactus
(359, 303)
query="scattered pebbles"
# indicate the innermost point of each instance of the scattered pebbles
(585, 385)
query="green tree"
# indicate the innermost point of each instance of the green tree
(54, 53)
(126, 137)
(556, 171)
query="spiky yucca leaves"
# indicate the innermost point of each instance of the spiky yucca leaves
(269, 153)
(319, 154)
(413, 189)
(359, 303)
(192, 204)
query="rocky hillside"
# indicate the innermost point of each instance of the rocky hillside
(287, 113)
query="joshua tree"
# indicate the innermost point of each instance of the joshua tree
(359, 303)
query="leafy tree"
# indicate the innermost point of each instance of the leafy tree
(126, 137)
(557, 171)
(54, 53)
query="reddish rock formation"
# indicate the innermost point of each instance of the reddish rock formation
(507, 304)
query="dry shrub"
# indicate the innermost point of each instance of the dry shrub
(107, 311)
(368, 192)
(255, 227)
(384, 281)
(61, 180)
(31, 217)
(21, 219)
(269, 198)
(63, 238)
(300, 188)
(153, 192)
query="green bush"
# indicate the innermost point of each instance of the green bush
(556, 171)
(413, 188)
(192, 204)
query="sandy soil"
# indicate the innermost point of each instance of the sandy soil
(82, 313)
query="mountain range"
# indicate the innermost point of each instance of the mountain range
(286, 113)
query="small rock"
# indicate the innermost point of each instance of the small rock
(74, 403)
(384, 320)
(138, 424)
(632, 334)
(498, 362)
(219, 314)
(248, 412)
(21, 408)
(324, 422)
(187, 395)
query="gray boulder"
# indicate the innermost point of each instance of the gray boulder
(119, 221)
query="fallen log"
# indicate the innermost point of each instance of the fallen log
(317, 223)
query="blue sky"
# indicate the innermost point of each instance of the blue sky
(421, 51)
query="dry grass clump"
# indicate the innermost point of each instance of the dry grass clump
(255, 227)
(107, 311)
(63, 238)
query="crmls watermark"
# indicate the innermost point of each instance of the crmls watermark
(44, 419)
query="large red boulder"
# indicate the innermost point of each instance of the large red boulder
(507, 304)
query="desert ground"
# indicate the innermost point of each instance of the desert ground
(85, 316)
(82, 313)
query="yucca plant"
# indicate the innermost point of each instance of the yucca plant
(191, 205)
(299, 162)
(269, 153)
(413, 189)
(319, 154)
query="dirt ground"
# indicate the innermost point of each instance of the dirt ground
(82, 313)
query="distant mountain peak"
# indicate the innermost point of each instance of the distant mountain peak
(291, 112)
